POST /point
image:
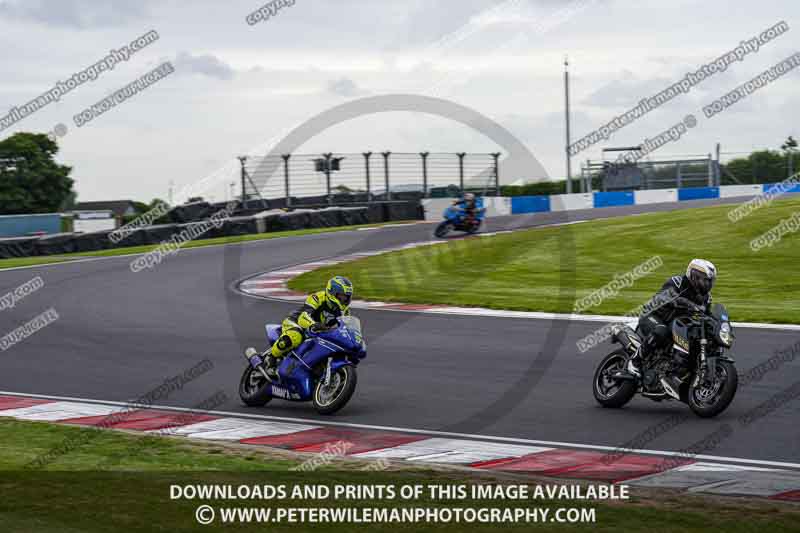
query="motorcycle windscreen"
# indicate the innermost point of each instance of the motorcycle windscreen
(353, 323)
(719, 312)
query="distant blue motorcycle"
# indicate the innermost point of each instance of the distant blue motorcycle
(456, 219)
(322, 369)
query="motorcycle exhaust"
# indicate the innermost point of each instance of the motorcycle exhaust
(628, 338)
(253, 357)
(256, 361)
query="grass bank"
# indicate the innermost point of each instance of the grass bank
(549, 269)
(114, 481)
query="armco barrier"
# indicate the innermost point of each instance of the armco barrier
(434, 207)
(609, 199)
(520, 205)
(530, 204)
(655, 196)
(698, 193)
(767, 186)
(497, 206)
(568, 202)
(731, 191)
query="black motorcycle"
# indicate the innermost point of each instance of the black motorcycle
(699, 347)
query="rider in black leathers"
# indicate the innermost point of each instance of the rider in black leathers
(679, 296)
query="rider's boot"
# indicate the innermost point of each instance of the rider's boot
(674, 379)
(271, 366)
(672, 384)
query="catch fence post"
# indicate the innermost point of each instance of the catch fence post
(496, 157)
(386, 173)
(328, 176)
(711, 179)
(424, 173)
(242, 161)
(286, 179)
(366, 173)
(461, 171)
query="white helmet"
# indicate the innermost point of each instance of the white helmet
(469, 196)
(701, 274)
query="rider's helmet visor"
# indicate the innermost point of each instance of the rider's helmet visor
(702, 281)
(343, 298)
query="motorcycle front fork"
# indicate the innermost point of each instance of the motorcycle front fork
(256, 360)
(702, 371)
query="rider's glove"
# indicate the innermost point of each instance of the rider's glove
(693, 307)
(318, 327)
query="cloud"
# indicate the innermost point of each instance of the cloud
(207, 65)
(76, 14)
(344, 87)
(625, 91)
(438, 24)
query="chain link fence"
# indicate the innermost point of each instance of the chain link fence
(652, 174)
(336, 178)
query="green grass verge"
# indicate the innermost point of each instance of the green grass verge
(116, 481)
(42, 260)
(524, 271)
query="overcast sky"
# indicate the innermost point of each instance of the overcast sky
(238, 88)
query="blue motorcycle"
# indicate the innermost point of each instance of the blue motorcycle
(456, 219)
(322, 369)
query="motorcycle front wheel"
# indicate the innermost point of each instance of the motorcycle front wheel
(442, 229)
(254, 389)
(611, 392)
(331, 397)
(709, 399)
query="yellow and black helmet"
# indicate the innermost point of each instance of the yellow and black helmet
(339, 292)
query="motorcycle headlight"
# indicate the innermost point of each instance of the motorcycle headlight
(725, 336)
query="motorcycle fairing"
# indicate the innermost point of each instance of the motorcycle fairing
(295, 370)
(273, 332)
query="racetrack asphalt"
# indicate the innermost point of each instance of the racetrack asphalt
(122, 334)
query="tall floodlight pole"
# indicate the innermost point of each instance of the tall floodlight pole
(566, 118)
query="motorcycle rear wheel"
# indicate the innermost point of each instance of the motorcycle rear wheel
(475, 228)
(709, 401)
(610, 392)
(254, 389)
